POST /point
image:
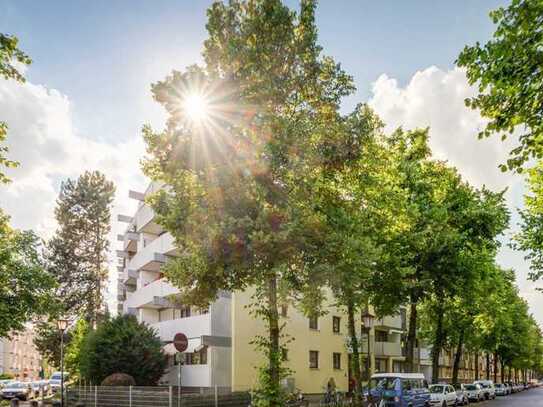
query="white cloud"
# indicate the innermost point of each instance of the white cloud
(42, 137)
(435, 98)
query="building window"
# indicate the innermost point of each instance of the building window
(185, 312)
(336, 324)
(313, 359)
(381, 336)
(284, 353)
(284, 310)
(313, 322)
(196, 358)
(381, 365)
(336, 359)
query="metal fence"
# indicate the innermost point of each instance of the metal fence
(160, 396)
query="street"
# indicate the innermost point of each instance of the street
(530, 398)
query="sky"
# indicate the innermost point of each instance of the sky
(88, 91)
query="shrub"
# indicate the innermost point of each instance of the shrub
(123, 345)
(119, 379)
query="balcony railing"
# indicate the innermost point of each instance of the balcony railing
(152, 295)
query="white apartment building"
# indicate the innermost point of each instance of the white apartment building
(144, 293)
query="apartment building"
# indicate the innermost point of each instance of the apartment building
(220, 351)
(19, 357)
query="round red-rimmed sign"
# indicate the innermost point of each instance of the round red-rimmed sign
(180, 342)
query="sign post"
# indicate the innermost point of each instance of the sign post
(181, 343)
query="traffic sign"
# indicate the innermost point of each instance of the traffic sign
(180, 342)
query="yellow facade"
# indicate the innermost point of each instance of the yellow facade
(303, 339)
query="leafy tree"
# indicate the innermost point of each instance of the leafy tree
(25, 287)
(530, 238)
(77, 255)
(122, 345)
(47, 338)
(73, 352)
(507, 71)
(236, 200)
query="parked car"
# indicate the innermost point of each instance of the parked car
(462, 398)
(54, 381)
(398, 390)
(488, 388)
(19, 390)
(501, 389)
(4, 383)
(474, 391)
(442, 395)
(507, 388)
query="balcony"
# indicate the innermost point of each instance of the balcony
(194, 327)
(388, 349)
(151, 257)
(393, 322)
(129, 276)
(130, 241)
(152, 295)
(191, 375)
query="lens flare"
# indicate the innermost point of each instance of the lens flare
(197, 107)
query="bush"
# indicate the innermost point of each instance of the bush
(6, 376)
(123, 345)
(119, 379)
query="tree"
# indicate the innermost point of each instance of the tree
(236, 200)
(25, 287)
(122, 345)
(47, 338)
(74, 348)
(507, 71)
(354, 193)
(530, 237)
(447, 222)
(77, 255)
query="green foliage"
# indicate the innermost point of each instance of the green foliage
(237, 199)
(122, 345)
(47, 339)
(6, 376)
(507, 71)
(73, 355)
(25, 287)
(77, 255)
(530, 238)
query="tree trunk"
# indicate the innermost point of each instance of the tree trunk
(274, 351)
(487, 366)
(502, 371)
(476, 365)
(411, 337)
(438, 343)
(458, 357)
(355, 355)
(495, 367)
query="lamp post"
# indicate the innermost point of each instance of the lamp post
(368, 319)
(62, 324)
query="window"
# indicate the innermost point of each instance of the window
(313, 322)
(381, 336)
(313, 359)
(284, 353)
(185, 312)
(336, 324)
(336, 359)
(196, 358)
(284, 310)
(380, 365)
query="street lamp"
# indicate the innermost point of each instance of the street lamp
(368, 319)
(62, 324)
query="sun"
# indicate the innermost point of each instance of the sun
(197, 107)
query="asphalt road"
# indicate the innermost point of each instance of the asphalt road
(528, 398)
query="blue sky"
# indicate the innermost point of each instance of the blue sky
(88, 95)
(104, 54)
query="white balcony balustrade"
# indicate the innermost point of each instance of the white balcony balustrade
(152, 295)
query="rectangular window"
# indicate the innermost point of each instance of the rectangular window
(313, 359)
(313, 322)
(185, 312)
(336, 359)
(336, 324)
(381, 336)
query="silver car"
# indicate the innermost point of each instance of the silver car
(462, 398)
